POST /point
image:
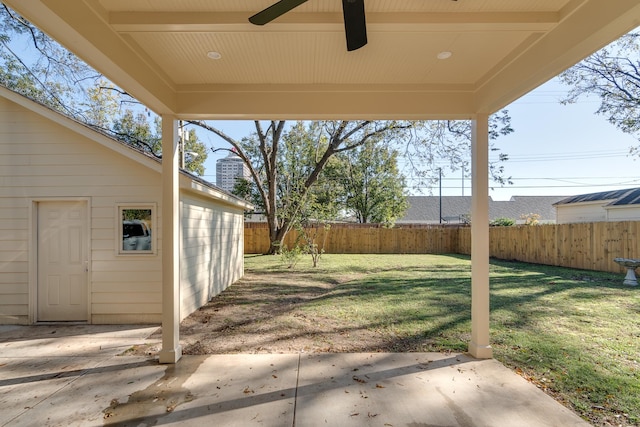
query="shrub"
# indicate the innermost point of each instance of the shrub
(502, 222)
(290, 257)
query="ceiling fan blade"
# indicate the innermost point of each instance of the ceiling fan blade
(355, 25)
(274, 11)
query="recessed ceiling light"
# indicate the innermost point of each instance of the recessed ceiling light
(214, 55)
(444, 55)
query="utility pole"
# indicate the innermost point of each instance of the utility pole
(181, 142)
(183, 135)
(440, 185)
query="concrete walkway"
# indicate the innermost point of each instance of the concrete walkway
(74, 376)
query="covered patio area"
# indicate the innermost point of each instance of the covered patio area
(435, 59)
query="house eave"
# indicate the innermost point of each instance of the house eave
(209, 191)
(613, 207)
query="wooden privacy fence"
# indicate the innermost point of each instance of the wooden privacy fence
(365, 239)
(589, 246)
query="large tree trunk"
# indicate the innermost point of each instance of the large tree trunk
(276, 237)
(274, 242)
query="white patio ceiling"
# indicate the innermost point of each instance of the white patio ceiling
(297, 67)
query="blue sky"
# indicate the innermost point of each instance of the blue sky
(555, 149)
(564, 149)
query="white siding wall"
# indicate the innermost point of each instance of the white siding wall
(41, 159)
(581, 212)
(212, 254)
(623, 213)
(14, 260)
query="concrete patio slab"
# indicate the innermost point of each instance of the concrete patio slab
(26, 383)
(238, 390)
(80, 379)
(85, 396)
(70, 340)
(55, 374)
(420, 389)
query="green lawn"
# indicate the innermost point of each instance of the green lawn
(574, 333)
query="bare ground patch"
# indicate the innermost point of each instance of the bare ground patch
(255, 316)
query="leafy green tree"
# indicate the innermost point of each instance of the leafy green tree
(136, 130)
(286, 166)
(101, 105)
(613, 75)
(246, 189)
(38, 67)
(195, 153)
(373, 186)
(449, 141)
(12, 77)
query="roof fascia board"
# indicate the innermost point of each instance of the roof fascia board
(189, 185)
(309, 102)
(631, 206)
(588, 203)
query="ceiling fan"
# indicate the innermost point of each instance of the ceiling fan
(355, 25)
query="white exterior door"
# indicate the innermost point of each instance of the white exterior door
(62, 261)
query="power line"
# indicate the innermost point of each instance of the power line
(533, 178)
(556, 158)
(569, 153)
(548, 157)
(509, 187)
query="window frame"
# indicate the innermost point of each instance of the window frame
(150, 221)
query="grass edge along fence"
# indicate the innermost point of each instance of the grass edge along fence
(587, 246)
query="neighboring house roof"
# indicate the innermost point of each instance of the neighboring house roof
(630, 196)
(427, 208)
(192, 182)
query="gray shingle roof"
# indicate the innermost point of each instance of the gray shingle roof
(630, 196)
(423, 209)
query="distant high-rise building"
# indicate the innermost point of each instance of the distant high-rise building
(228, 170)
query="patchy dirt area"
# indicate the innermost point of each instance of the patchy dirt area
(257, 317)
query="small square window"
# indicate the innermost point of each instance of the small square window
(136, 233)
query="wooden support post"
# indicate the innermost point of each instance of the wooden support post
(480, 345)
(171, 350)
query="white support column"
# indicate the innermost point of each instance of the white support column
(171, 350)
(480, 346)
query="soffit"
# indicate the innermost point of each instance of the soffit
(298, 66)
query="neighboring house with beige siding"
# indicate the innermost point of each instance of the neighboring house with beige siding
(616, 205)
(80, 217)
